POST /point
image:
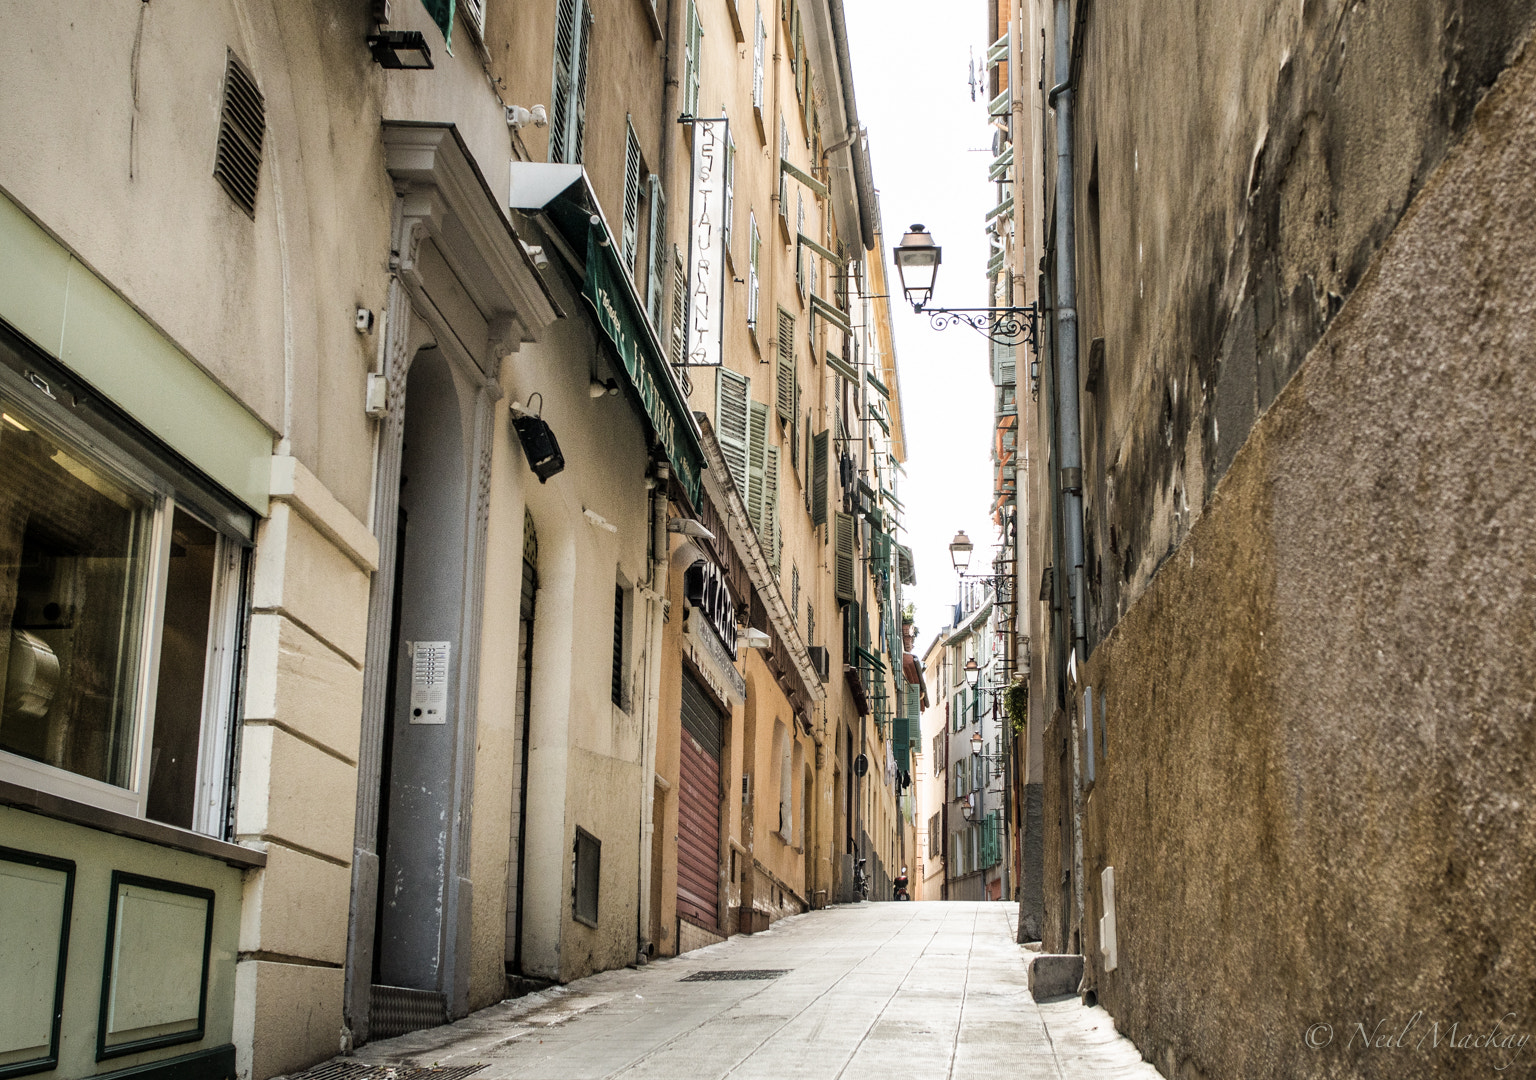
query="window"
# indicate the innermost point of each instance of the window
(619, 664)
(692, 60)
(938, 754)
(759, 53)
(754, 243)
(933, 837)
(794, 594)
(121, 578)
(810, 624)
(588, 857)
(568, 98)
(730, 188)
(783, 176)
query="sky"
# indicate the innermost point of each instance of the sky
(930, 147)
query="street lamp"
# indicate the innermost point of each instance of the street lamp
(917, 264)
(972, 674)
(960, 552)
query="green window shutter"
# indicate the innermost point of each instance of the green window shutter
(631, 236)
(579, 112)
(732, 394)
(771, 539)
(695, 60)
(785, 398)
(730, 190)
(845, 559)
(563, 94)
(679, 346)
(658, 243)
(821, 465)
(757, 457)
(851, 633)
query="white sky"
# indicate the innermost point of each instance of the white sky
(911, 63)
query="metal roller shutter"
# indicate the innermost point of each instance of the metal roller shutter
(698, 817)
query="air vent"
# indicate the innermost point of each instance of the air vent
(242, 122)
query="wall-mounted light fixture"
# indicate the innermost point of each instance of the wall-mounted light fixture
(917, 264)
(400, 50)
(539, 443)
(754, 638)
(602, 388)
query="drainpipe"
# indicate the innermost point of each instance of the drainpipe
(1068, 417)
(655, 593)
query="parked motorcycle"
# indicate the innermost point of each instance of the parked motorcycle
(900, 886)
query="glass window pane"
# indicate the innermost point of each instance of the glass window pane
(173, 761)
(74, 553)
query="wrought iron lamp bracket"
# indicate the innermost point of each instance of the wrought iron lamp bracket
(1003, 325)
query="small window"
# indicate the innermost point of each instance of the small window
(730, 190)
(585, 879)
(754, 243)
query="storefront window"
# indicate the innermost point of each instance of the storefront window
(73, 564)
(120, 607)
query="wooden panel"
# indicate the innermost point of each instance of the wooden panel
(36, 894)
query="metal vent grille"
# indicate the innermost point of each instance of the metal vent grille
(743, 975)
(242, 123)
(353, 1070)
(395, 1010)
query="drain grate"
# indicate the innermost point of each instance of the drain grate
(739, 975)
(353, 1070)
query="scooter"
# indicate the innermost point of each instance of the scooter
(900, 886)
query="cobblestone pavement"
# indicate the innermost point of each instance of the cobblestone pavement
(877, 991)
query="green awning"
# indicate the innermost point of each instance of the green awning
(618, 310)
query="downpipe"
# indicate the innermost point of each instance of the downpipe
(1069, 421)
(655, 593)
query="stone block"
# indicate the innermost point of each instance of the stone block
(298, 681)
(301, 572)
(1054, 975)
(295, 793)
(287, 1017)
(296, 907)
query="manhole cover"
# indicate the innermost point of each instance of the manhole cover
(739, 975)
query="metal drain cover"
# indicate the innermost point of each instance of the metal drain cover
(739, 975)
(354, 1070)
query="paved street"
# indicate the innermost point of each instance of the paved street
(866, 991)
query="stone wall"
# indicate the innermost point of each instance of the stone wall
(1315, 787)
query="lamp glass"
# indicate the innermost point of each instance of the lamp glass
(960, 551)
(972, 673)
(917, 264)
(976, 742)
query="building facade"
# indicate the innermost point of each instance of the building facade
(392, 610)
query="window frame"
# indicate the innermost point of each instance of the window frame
(109, 441)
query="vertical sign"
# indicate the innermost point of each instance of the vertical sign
(706, 243)
(429, 682)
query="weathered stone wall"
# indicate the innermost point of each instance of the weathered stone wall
(1316, 792)
(1239, 165)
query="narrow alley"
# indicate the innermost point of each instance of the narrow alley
(849, 992)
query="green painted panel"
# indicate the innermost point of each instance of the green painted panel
(34, 277)
(73, 315)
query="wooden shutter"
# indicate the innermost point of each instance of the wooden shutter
(562, 97)
(692, 60)
(579, 109)
(474, 14)
(732, 395)
(771, 538)
(658, 252)
(759, 52)
(679, 349)
(820, 466)
(845, 559)
(757, 457)
(785, 398)
(631, 230)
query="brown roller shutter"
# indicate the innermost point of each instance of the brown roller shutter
(698, 816)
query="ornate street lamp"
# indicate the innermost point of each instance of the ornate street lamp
(917, 264)
(960, 552)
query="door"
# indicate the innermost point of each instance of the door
(698, 812)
